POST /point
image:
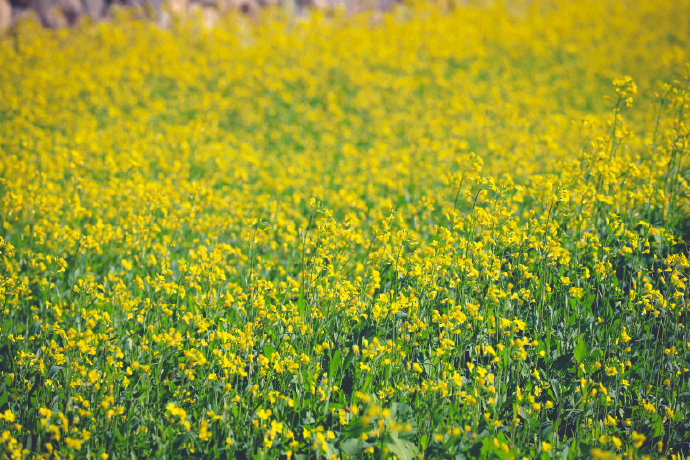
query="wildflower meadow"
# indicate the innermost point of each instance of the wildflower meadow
(450, 230)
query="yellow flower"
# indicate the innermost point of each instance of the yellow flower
(264, 414)
(73, 443)
(599, 454)
(204, 434)
(669, 412)
(233, 211)
(638, 439)
(276, 428)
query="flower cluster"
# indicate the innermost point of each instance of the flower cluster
(425, 233)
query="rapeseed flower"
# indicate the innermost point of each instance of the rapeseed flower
(435, 241)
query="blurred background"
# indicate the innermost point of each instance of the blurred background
(64, 13)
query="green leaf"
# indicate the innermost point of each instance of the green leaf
(581, 352)
(331, 451)
(367, 383)
(302, 305)
(334, 365)
(424, 441)
(403, 413)
(54, 369)
(352, 447)
(403, 449)
(268, 350)
(555, 388)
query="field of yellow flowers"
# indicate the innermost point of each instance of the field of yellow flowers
(432, 233)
